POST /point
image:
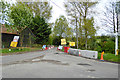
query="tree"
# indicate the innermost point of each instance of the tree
(117, 9)
(119, 44)
(60, 27)
(105, 43)
(42, 9)
(50, 39)
(78, 12)
(69, 33)
(4, 10)
(40, 29)
(21, 16)
(110, 21)
(56, 40)
(89, 31)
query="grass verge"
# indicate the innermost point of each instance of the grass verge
(10, 51)
(110, 57)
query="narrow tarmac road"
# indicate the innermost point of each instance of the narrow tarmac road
(55, 64)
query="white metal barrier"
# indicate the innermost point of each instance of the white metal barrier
(84, 53)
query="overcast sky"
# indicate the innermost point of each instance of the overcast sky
(58, 9)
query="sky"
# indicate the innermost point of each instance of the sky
(58, 9)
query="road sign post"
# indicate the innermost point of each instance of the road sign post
(116, 43)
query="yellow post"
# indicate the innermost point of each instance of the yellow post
(103, 52)
(117, 52)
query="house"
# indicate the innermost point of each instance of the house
(28, 38)
(7, 36)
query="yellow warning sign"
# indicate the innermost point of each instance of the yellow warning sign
(13, 44)
(63, 41)
(71, 43)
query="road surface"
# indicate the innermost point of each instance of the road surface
(55, 64)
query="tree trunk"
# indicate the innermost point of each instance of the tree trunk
(85, 39)
(30, 42)
(0, 39)
(21, 40)
(76, 33)
(114, 20)
(85, 32)
(117, 21)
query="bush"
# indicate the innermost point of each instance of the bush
(109, 57)
(99, 49)
(57, 41)
(37, 45)
(109, 47)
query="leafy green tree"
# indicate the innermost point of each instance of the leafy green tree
(42, 9)
(89, 30)
(62, 29)
(78, 13)
(50, 39)
(60, 26)
(69, 33)
(40, 29)
(21, 16)
(57, 40)
(4, 11)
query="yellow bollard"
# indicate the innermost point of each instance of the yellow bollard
(103, 52)
(117, 52)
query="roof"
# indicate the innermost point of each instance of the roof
(28, 30)
(5, 30)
